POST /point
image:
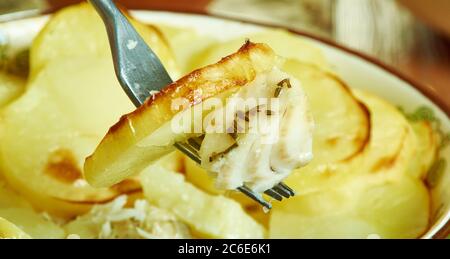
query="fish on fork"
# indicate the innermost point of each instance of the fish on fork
(258, 167)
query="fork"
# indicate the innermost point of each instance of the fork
(140, 72)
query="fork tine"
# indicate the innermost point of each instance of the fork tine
(273, 194)
(286, 188)
(189, 150)
(194, 143)
(247, 191)
(281, 191)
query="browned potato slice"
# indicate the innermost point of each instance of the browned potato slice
(371, 194)
(70, 102)
(42, 155)
(389, 148)
(145, 134)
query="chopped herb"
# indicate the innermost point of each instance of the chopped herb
(436, 172)
(3, 57)
(20, 65)
(277, 92)
(283, 83)
(445, 140)
(235, 126)
(424, 113)
(234, 135)
(214, 155)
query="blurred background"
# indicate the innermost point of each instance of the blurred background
(412, 36)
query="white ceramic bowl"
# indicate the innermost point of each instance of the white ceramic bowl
(356, 69)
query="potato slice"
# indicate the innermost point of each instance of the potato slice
(388, 148)
(79, 31)
(428, 146)
(34, 224)
(364, 206)
(15, 209)
(342, 122)
(73, 98)
(9, 230)
(392, 141)
(372, 193)
(10, 88)
(209, 215)
(143, 136)
(46, 134)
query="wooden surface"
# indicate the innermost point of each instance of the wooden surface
(394, 36)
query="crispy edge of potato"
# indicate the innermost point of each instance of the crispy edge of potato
(232, 72)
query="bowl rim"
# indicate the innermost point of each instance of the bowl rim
(423, 88)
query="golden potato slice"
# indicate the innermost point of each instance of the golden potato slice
(372, 193)
(15, 209)
(34, 224)
(208, 215)
(73, 98)
(46, 134)
(392, 145)
(10, 88)
(143, 136)
(342, 122)
(282, 42)
(365, 206)
(9, 230)
(79, 31)
(428, 146)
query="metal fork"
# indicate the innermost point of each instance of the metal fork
(140, 72)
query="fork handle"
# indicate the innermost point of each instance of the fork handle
(128, 62)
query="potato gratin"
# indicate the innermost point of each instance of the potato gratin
(357, 163)
(258, 144)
